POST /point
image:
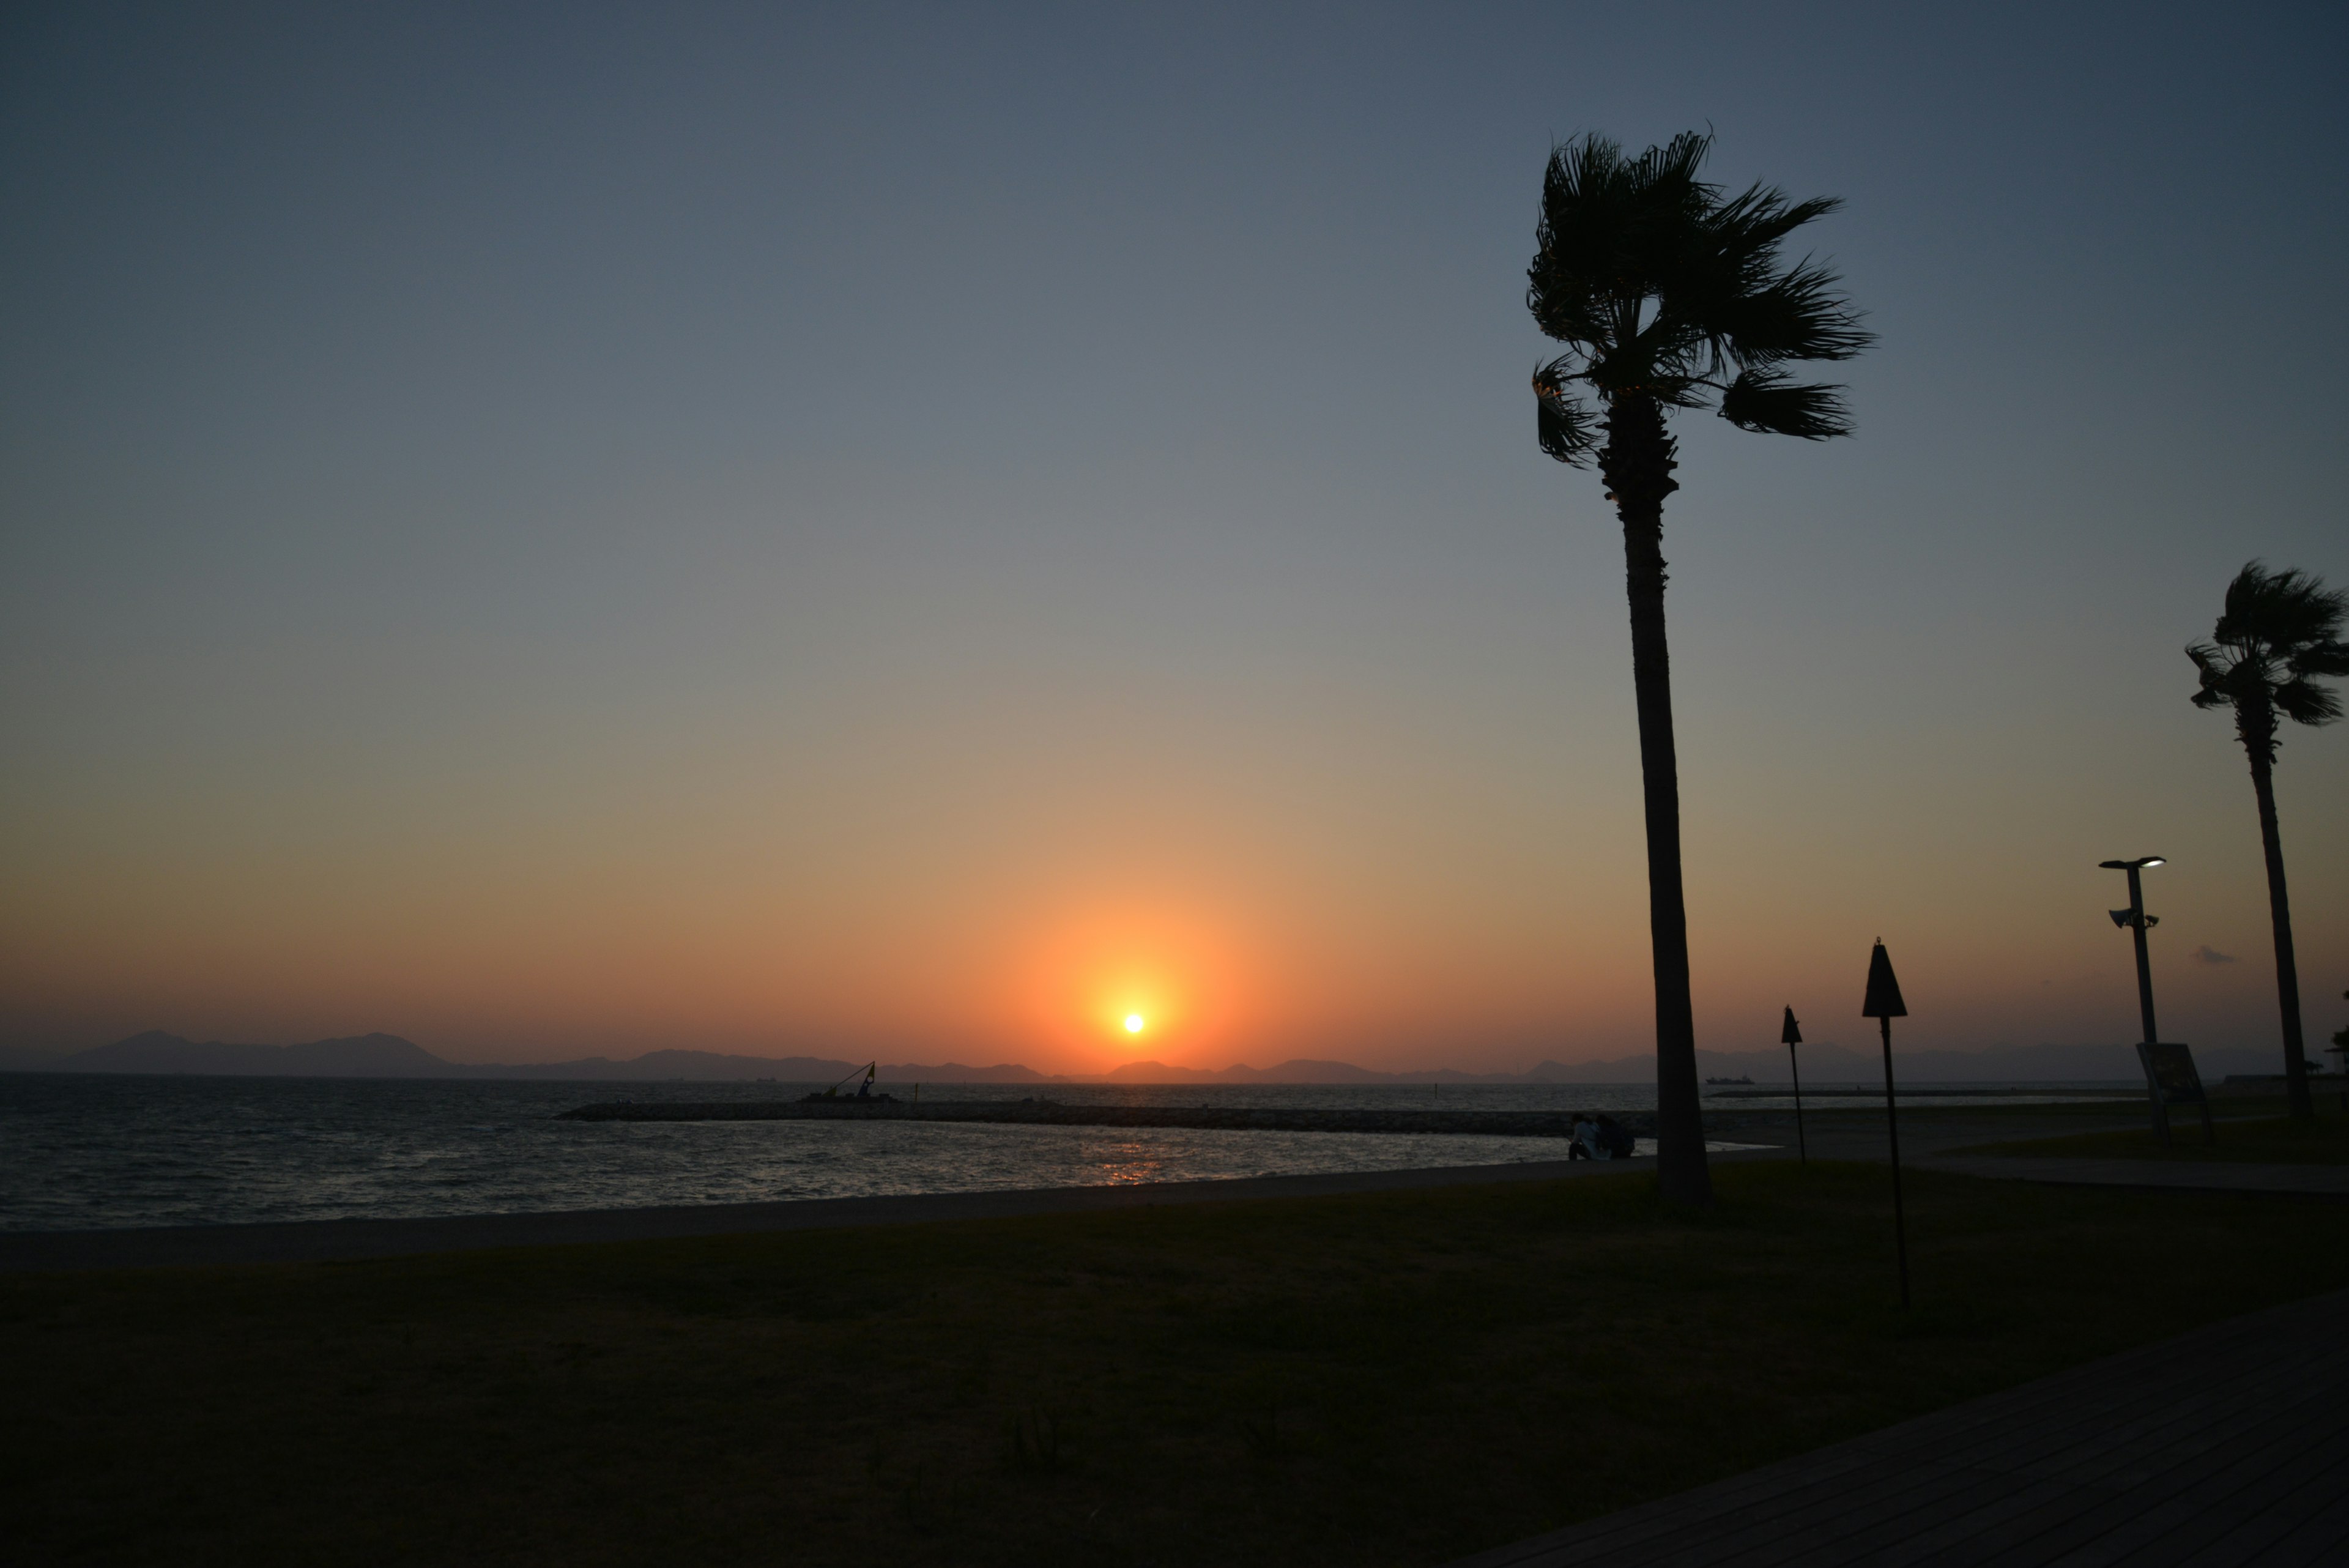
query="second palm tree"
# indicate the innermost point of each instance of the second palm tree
(2281, 631)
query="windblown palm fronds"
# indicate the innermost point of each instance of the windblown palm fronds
(2279, 633)
(1663, 288)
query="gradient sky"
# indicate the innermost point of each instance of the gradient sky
(919, 530)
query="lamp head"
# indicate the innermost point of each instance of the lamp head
(2137, 864)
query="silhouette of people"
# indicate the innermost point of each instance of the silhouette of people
(1615, 1137)
(1586, 1143)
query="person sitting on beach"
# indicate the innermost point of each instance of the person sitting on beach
(1586, 1143)
(1615, 1137)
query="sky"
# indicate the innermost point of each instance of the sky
(922, 530)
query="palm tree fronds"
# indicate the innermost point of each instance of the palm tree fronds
(1647, 364)
(1567, 314)
(2285, 615)
(1567, 429)
(1765, 402)
(2306, 703)
(2213, 670)
(1760, 216)
(1797, 316)
(2279, 635)
(1662, 286)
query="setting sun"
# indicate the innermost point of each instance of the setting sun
(1133, 1024)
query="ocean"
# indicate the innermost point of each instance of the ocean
(91, 1151)
(101, 1151)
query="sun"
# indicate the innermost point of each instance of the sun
(1133, 1022)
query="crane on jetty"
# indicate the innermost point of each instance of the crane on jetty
(863, 1091)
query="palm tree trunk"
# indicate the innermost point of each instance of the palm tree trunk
(2295, 1063)
(1638, 463)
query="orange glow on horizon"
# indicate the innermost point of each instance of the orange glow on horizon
(1107, 983)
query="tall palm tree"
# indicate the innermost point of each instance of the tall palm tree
(1670, 295)
(2278, 631)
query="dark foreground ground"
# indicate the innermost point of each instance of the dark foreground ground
(1392, 1377)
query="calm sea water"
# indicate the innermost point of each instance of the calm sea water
(96, 1151)
(90, 1151)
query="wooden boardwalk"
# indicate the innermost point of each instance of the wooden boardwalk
(2228, 1447)
(2197, 1175)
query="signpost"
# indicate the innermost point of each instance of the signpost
(1884, 1005)
(1791, 1035)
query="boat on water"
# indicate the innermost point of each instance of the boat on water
(1747, 1080)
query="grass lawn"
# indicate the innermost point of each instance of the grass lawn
(1383, 1378)
(2276, 1140)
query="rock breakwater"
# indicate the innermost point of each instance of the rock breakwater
(1051, 1113)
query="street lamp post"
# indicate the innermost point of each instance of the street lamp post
(2135, 921)
(2138, 922)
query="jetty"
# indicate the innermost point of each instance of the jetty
(1054, 1113)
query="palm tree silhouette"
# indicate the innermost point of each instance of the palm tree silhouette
(1668, 294)
(2278, 630)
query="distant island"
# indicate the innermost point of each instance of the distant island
(390, 1056)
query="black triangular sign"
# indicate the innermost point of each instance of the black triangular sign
(1883, 990)
(1792, 1033)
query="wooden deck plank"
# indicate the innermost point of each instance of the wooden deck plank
(2103, 1495)
(1955, 1497)
(2192, 1509)
(2233, 1537)
(2258, 1482)
(2207, 1450)
(1880, 1464)
(2091, 1396)
(2320, 1538)
(1817, 1518)
(2107, 1491)
(1952, 1527)
(1993, 1421)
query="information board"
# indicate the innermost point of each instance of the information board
(2171, 1079)
(2169, 1072)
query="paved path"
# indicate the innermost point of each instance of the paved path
(2198, 1176)
(2226, 1449)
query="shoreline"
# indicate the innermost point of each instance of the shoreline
(350, 1239)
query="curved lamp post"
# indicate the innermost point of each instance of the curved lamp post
(2169, 1074)
(2135, 921)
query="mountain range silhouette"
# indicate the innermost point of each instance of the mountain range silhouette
(390, 1056)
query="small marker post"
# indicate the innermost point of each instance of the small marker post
(1791, 1035)
(1884, 1005)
